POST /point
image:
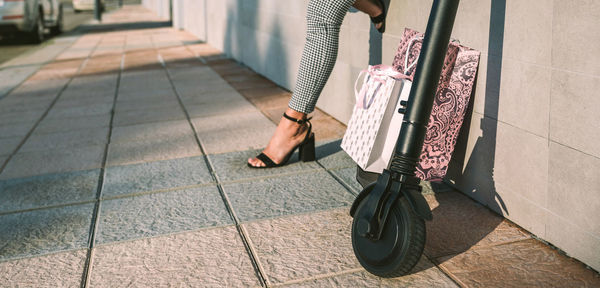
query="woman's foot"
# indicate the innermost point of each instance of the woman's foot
(375, 9)
(288, 135)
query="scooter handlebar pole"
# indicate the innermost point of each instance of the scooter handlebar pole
(422, 94)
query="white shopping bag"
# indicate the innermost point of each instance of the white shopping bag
(375, 124)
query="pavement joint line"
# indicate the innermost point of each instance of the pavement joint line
(320, 276)
(18, 258)
(195, 54)
(340, 180)
(286, 216)
(158, 191)
(253, 251)
(447, 273)
(260, 273)
(81, 66)
(62, 205)
(96, 211)
(164, 235)
(271, 176)
(477, 247)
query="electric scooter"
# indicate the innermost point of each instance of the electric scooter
(388, 229)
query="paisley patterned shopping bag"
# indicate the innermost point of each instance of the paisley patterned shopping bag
(450, 104)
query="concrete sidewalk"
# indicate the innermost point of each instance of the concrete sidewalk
(122, 163)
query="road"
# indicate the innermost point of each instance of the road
(13, 47)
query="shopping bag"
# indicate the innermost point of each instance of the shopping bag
(450, 104)
(375, 122)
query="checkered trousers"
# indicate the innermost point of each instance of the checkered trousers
(324, 18)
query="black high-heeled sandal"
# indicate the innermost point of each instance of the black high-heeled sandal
(380, 18)
(306, 148)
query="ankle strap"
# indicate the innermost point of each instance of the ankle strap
(299, 121)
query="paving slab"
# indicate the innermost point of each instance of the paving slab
(95, 84)
(68, 99)
(48, 190)
(191, 90)
(147, 105)
(151, 131)
(8, 145)
(13, 77)
(424, 275)
(460, 224)
(65, 140)
(161, 213)
(132, 117)
(232, 166)
(328, 128)
(54, 270)
(16, 105)
(44, 231)
(519, 264)
(248, 82)
(19, 117)
(146, 150)
(151, 176)
(348, 176)
(94, 122)
(303, 246)
(209, 258)
(199, 72)
(215, 108)
(54, 161)
(79, 111)
(228, 133)
(266, 97)
(331, 156)
(273, 197)
(16, 129)
(225, 95)
(145, 95)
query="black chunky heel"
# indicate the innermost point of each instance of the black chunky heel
(306, 149)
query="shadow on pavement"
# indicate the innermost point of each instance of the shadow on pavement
(101, 28)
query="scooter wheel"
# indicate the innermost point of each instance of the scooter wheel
(400, 246)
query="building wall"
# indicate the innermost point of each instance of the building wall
(530, 147)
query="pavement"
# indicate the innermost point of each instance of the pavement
(122, 164)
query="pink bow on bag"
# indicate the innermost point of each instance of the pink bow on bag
(375, 75)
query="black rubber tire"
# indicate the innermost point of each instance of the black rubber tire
(397, 260)
(36, 36)
(58, 28)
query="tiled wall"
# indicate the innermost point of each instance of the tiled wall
(530, 149)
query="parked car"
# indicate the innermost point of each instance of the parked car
(31, 17)
(85, 5)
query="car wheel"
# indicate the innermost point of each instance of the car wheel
(58, 28)
(36, 36)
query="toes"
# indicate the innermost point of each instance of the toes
(255, 162)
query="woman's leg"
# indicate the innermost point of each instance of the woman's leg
(324, 18)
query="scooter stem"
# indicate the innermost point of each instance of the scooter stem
(424, 87)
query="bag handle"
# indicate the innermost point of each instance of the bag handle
(410, 43)
(379, 75)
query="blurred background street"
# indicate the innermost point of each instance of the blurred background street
(11, 47)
